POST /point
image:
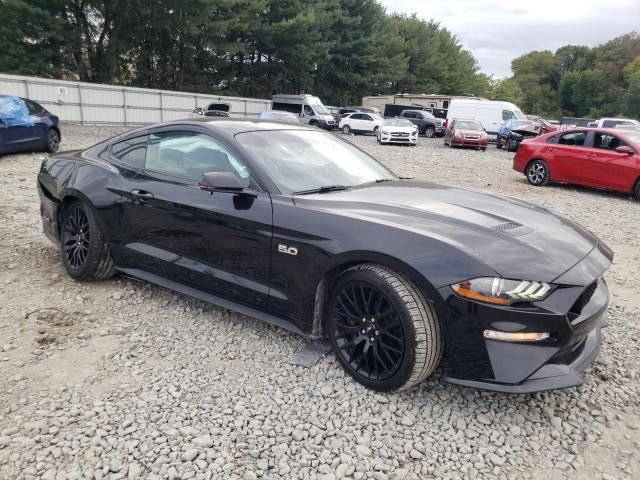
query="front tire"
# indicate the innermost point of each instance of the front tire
(498, 145)
(85, 253)
(53, 140)
(537, 173)
(636, 190)
(346, 129)
(383, 332)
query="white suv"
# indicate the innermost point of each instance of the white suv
(360, 122)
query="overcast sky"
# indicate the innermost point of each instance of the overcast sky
(496, 33)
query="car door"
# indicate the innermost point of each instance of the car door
(607, 168)
(368, 124)
(449, 131)
(216, 242)
(567, 156)
(356, 122)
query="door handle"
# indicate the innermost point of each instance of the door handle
(142, 195)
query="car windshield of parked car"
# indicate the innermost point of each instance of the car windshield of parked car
(634, 136)
(318, 106)
(397, 122)
(300, 160)
(468, 125)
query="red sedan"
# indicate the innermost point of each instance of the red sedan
(600, 158)
(465, 133)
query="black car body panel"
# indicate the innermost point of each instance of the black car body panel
(236, 250)
(24, 125)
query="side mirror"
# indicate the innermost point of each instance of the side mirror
(624, 149)
(220, 182)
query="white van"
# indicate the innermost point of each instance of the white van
(308, 108)
(491, 114)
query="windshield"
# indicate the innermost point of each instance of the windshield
(519, 114)
(634, 136)
(318, 106)
(299, 160)
(469, 125)
(397, 122)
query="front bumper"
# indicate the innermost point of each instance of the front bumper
(469, 142)
(571, 314)
(396, 137)
(327, 124)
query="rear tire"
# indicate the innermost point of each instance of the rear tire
(537, 173)
(346, 129)
(85, 253)
(402, 342)
(53, 140)
(430, 132)
(636, 190)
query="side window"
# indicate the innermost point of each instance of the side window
(308, 110)
(132, 151)
(356, 116)
(190, 155)
(606, 141)
(367, 117)
(573, 138)
(609, 123)
(33, 107)
(409, 114)
(508, 114)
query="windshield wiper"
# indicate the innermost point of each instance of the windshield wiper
(324, 189)
(380, 180)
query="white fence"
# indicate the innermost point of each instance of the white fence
(96, 103)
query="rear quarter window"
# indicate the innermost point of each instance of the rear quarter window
(132, 151)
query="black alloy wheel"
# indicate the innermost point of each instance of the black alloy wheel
(382, 331)
(498, 144)
(537, 173)
(430, 132)
(76, 237)
(53, 141)
(85, 253)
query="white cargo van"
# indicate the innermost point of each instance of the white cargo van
(308, 108)
(491, 114)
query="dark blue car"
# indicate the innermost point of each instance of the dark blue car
(27, 126)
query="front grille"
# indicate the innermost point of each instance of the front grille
(472, 137)
(399, 134)
(583, 300)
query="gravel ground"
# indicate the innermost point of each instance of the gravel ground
(121, 379)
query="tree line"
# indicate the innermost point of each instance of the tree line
(339, 50)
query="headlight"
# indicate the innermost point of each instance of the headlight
(501, 291)
(385, 132)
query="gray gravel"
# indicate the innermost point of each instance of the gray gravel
(123, 380)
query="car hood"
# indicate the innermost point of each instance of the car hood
(516, 239)
(471, 132)
(393, 128)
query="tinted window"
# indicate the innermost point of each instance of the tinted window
(308, 110)
(190, 155)
(33, 107)
(132, 151)
(356, 116)
(366, 117)
(573, 138)
(301, 159)
(606, 141)
(408, 114)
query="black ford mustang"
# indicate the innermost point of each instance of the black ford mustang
(303, 230)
